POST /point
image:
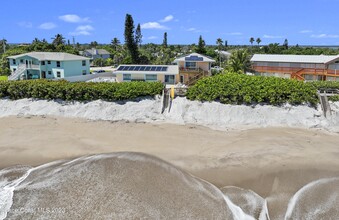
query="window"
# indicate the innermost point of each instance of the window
(126, 76)
(42, 63)
(21, 61)
(191, 65)
(49, 72)
(14, 61)
(14, 69)
(84, 72)
(58, 63)
(48, 62)
(58, 74)
(151, 77)
(84, 63)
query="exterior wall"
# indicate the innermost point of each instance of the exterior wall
(74, 68)
(140, 76)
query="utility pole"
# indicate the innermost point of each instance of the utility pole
(3, 44)
(73, 42)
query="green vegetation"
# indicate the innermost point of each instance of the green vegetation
(2, 78)
(334, 98)
(80, 91)
(239, 62)
(325, 84)
(234, 88)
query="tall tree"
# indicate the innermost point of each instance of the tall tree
(258, 40)
(201, 46)
(115, 43)
(219, 43)
(164, 42)
(58, 40)
(285, 44)
(130, 43)
(3, 43)
(93, 44)
(138, 36)
(239, 62)
(251, 40)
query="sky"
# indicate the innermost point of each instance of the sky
(303, 22)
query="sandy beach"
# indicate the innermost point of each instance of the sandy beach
(247, 153)
(273, 162)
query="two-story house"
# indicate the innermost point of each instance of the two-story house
(187, 70)
(47, 65)
(301, 67)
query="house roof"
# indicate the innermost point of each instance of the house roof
(148, 69)
(51, 56)
(194, 57)
(323, 59)
(94, 51)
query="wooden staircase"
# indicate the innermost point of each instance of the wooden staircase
(194, 79)
(297, 75)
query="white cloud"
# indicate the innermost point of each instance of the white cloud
(235, 33)
(47, 26)
(152, 37)
(71, 18)
(325, 36)
(305, 31)
(192, 29)
(25, 24)
(167, 18)
(272, 36)
(153, 25)
(82, 30)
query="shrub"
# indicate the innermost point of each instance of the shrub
(234, 88)
(79, 91)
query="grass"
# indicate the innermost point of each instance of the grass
(3, 78)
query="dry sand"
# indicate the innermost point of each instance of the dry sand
(273, 162)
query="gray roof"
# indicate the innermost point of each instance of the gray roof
(323, 59)
(203, 58)
(51, 56)
(94, 51)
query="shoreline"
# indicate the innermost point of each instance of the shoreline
(274, 162)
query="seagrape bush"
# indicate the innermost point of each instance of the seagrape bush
(231, 88)
(78, 91)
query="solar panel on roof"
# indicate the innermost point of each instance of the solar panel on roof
(137, 68)
(142, 68)
(158, 68)
(125, 68)
(153, 68)
(164, 68)
(148, 68)
(132, 68)
(121, 67)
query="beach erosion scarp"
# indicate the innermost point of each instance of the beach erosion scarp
(209, 114)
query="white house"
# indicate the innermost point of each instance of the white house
(47, 65)
(96, 53)
(164, 73)
(188, 70)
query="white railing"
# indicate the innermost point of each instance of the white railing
(15, 76)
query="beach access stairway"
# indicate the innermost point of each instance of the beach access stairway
(17, 73)
(325, 105)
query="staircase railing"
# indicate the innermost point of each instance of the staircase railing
(15, 76)
(297, 75)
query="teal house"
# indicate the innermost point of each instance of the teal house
(47, 65)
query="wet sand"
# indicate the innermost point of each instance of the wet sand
(273, 162)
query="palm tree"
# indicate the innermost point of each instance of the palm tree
(4, 44)
(258, 40)
(251, 40)
(219, 44)
(58, 40)
(239, 62)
